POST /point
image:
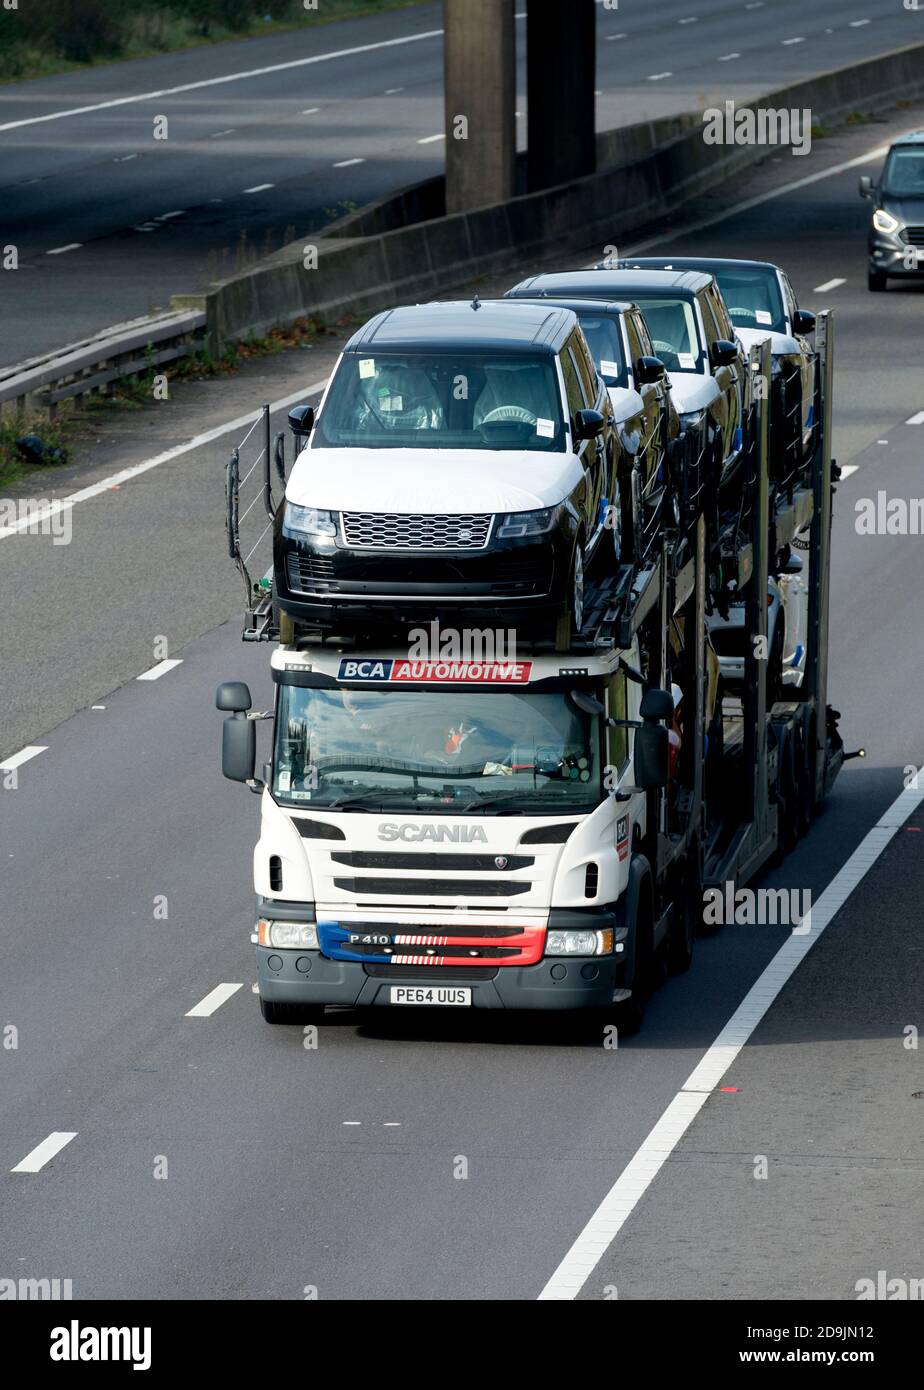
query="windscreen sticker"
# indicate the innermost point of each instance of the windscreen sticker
(285, 780)
(685, 359)
(762, 316)
(460, 672)
(545, 429)
(389, 402)
(609, 368)
(366, 367)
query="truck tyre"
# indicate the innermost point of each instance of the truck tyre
(629, 1014)
(806, 806)
(274, 1012)
(787, 800)
(572, 620)
(688, 915)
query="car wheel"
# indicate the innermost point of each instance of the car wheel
(876, 280)
(572, 620)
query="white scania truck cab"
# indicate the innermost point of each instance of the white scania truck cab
(451, 832)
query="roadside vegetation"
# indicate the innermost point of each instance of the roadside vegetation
(75, 420)
(38, 39)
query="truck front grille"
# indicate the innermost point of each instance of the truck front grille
(382, 859)
(389, 888)
(390, 531)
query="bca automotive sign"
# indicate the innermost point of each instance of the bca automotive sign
(403, 669)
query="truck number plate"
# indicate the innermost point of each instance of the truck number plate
(430, 994)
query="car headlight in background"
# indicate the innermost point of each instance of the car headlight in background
(307, 521)
(582, 942)
(884, 221)
(537, 523)
(300, 936)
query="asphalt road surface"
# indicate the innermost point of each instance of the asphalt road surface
(272, 138)
(214, 1156)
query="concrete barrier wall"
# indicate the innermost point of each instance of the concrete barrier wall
(372, 260)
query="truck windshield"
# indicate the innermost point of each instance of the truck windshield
(450, 750)
(753, 298)
(442, 400)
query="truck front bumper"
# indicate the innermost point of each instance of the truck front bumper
(568, 982)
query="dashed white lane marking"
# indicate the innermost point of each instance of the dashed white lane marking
(124, 158)
(828, 285)
(259, 188)
(213, 1000)
(17, 759)
(641, 1170)
(35, 1161)
(60, 250)
(847, 469)
(219, 81)
(691, 19)
(857, 23)
(873, 156)
(345, 163)
(916, 419)
(161, 669)
(727, 57)
(659, 76)
(166, 216)
(429, 139)
(352, 1122)
(391, 1124)
(117, 479)
(218, 134)
(311, 111)
(611, 38)
(789, 41)
(97, 706)
(393, 91)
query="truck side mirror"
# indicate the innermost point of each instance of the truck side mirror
(651, 750)
(301, 420)
(238, 747)
(234, 696)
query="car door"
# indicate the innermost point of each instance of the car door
(653, 394)
(807, 361)
(581, 381)
(727, 410)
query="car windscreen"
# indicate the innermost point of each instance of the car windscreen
(603, 339)
(673, 332)
(442, 400)
(904, 173)
(753, 298)
(448, 750)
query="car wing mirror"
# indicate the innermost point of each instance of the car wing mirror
(803, 321)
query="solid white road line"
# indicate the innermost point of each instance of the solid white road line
(635, 1179)
(212, 1001)
(17, 759)
(35, 1161)
(161, 669)
(117, 479)
(219, 81)
(878, 153)
(916, 419)
(828, 285)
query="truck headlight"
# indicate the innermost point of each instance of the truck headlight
(582, 942)
(536, 523)
(299, 936)
(884, 221)
(307, 521)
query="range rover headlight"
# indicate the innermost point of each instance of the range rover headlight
(517, 524)
(307, 521)
(299, 936)
(884, 221)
